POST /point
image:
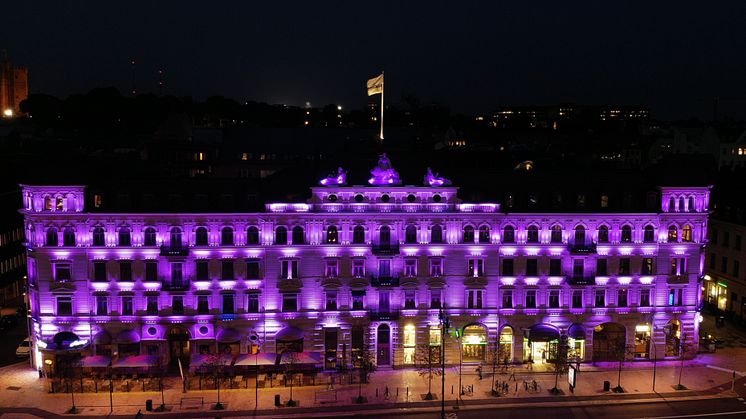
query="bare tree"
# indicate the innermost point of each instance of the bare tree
(216, 364)
(366, 365)
(619, 351)
(494, 356)
(561, 360)
(290, 363)
(427, 362)
(70, 371)
(684, 347)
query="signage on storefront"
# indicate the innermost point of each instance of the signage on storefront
(571, 376)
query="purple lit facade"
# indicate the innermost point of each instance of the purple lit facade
(365, 268)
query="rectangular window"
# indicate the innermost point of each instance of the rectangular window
(600, 300)
(508, 267)
(436, 267)
(127, 307)
(409, 299)
(435, 299)
(554, 298)
(253, 302)
(676, 296)
(724, 264)
(332, 268)
(532, 267)
(358, 268)
(151, 270)
(737, 242)
(601, 267)
(63, 272)
(410, 267)
(726, 238)
(736, 268)
(226, 269)
(203, 304)
(289, 302)
(102, 305)
(357, 299)
(714, 236)
(555, 267)
(64, 306)
(531, 299)
(578, 268)
(474, 299)
(201, 270)
(577, 298)
(177, 304)
(624, 266)
(252, 269)
(507, 299)
(384, 267)
(647, 266)
(125, 271)
(99, 271)
(229, 304)
(331, 300)
(621, 297)
(435, 336)
(712, 263)
(152, 305)
(176, 274)
(645, 297)
(475, 267)
(289, 269)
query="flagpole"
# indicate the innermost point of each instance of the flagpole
(383, 82)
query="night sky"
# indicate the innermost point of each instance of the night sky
(473, 56)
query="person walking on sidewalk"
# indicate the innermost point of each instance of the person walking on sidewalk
(479, 371)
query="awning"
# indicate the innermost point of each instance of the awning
(95, 361)
(64, 339)
(259, 359)
(576, 331)
(542, 333)
(201, 360)
(102, 338)
(289, 334)
(136, 361)
(228, 335)
(302, 357)
(128, 336)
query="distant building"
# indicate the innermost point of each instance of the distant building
(13, 88)
(554, 116)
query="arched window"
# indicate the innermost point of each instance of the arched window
(484, 234)
(149, 238)
(410, 234)
(252, 235)
(299, 236)
(603, 234)
(48, 203)
(332, 235)
(358, 235)
(99, 237)
(281, 235)
(532, 234)
(649, 236)
(579, 235)
(200, 236)
(436, 234)
(468, 236)
(673, 234)
(626, 234)
(691, 204)
(671, 204)
(125, 238)
(556, 234)
(68, 237)
(71, 203)
(686, 233)
(226, 236)
(384, 236)
(681, 204)
(58, 206)
(52, 237)
(175, 237)
(508, 234)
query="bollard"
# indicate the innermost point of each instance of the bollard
(407, 393)
(376, 391)
(451, 388)
(397, 392)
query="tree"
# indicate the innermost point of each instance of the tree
(684, 347)
(290, 361)
(71, 371)
(427, 362)
(561, 362)
(494, 356)
(366, 364)
(216, 364)
(619, 350)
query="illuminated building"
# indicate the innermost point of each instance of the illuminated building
(13, 88)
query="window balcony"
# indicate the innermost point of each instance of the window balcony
(175, 250)
(581, 280)
(385, 249)
(677, 279)
(582, 248)
(182, 285)
(377, 315)
(384, 281)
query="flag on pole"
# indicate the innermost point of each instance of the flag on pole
(375, 85)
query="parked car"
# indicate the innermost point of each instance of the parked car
(24, 348)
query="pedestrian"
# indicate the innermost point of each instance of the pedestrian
(479, 371)
(139, 414)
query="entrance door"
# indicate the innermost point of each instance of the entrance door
(178, 345)
(383, 345)
(330, 348)
(383, 301)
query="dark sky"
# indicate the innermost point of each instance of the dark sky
(474, 56)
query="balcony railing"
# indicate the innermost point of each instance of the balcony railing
(581, 280)
(377, 315)
(581, 248)
(175, 250)
(182, 285)
(384, 281)
(385, 248)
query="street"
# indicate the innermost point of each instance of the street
(10, 339)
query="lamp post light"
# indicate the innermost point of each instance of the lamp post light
(444, 325)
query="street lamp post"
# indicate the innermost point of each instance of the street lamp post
(444, 324)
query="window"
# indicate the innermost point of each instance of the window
(125, 238)
(229, 302)
(358, 268)
(435, 336)
(484, 234)
(712, 261)
(508, 267)
(253, 302)
(64, 306)
(579, 235)
(281, 235)
(436, 267)
(508, 234)
(331, 300)
(580, 202)
(226, 269)
(152, 305)
(58, 205)
(604, 201)
(626, 234)
(409, 343)
(332, 268)
(125, 271)
(507, 299)
(624, 266)
(691, 206)
(384, 267)
(151, 270)
(177, 304)
(736, 268)
(51, 237)
(68, 237)
(531, 299)
(127, 309)
(357, 299)
(678, 266)
(332, 235)
(621, 297)
(203, 304)
(532, 267)
(645, 297)
(474, 298)
(99, 271)
(410, 234)
(577, 298)
(578, 268)
(556, 234)
(358, 235)
(554, 298)
(410, 267)
(686, 233)
(603, 234)
(200, 237)
(409, 299)
(555, 267)
(252, 269)
(299, 236)
(676, 296)
(252, 235)
(681, 204)
(102, 305)
(176, 274)
(99, 238)
(62, 272)
(532, 234)
(649, 234)
(149, 237)
(468, 236)
(724, 264)
(289, 269)
(736, 244)
(647, 266)
(201, 270)
(673, 234)
(289, 302)
(600, 300)
(435, 298)
(475, 267)
(226, 236)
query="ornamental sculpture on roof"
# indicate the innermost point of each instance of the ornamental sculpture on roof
(384, 173)
(335, 179)
(434, 179)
